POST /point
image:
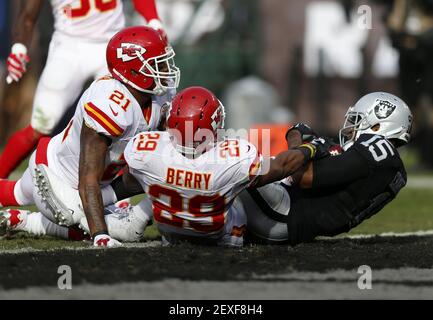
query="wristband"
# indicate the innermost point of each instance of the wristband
(19, 48)
(308, 149)
(100, 233)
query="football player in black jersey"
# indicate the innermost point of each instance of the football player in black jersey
(334, 194)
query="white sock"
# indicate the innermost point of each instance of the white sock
(37, 224)
(108, 195)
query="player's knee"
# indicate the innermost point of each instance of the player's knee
(45, 118)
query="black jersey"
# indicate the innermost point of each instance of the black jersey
(347, 189)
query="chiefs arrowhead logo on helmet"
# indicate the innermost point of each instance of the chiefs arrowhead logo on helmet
(129, 51)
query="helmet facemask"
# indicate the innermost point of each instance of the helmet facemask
(377, 113)
(354, 124)
(163, 70)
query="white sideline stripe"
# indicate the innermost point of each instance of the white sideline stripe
(153, 244)
(385, 235)
(149, 244)
(420, 182)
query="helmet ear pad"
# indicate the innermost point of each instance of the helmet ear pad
(376, 127)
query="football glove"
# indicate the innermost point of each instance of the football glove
(319, 148)
(307, 134)
(17, 62)
(156, 25)
(104, 240)
(326, 147)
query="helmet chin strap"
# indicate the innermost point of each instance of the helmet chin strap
(347, 145)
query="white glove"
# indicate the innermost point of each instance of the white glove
(155, 24)
(104, 240)
(17, 62)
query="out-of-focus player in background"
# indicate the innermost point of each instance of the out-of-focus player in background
(76, 53)
(335, 194)
(88, 154)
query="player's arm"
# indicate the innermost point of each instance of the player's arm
(334, 171)
(147, 8)
(126, 186)
(26, 21)
(298, 134)
(286, 163)
(22, 36)
(94, 147)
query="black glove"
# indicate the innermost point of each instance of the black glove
(307, 134)
(325, 147)
(319, 148)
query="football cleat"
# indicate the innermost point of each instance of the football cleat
(63, 201)
(11, 219)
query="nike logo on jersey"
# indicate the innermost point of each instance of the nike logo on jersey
(114, 113)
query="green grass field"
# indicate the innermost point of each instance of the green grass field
(411, 211)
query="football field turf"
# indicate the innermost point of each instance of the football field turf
(327, 268)
(412, 211)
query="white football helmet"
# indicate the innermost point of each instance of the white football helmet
(389, 111)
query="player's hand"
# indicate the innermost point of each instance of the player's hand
(155, 24)
(104, 240)
(307, 134)
(321, 148)
(315, 149)
(325, 147)
(17, 62)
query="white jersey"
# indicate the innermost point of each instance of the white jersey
(192, 194)
(94, 20)
(109, 108)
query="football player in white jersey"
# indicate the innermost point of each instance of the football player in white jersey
(192, 178)
(88, 154)
(76, 53)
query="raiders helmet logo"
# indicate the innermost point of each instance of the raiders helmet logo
(383, 109)
(129, 51)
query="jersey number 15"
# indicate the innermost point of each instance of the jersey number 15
(379, 148)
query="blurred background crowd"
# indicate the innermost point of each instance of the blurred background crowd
(275, 61)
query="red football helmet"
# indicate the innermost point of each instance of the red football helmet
(193, 119)
(141, 58)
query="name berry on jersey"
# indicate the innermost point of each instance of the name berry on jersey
(193, 194)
